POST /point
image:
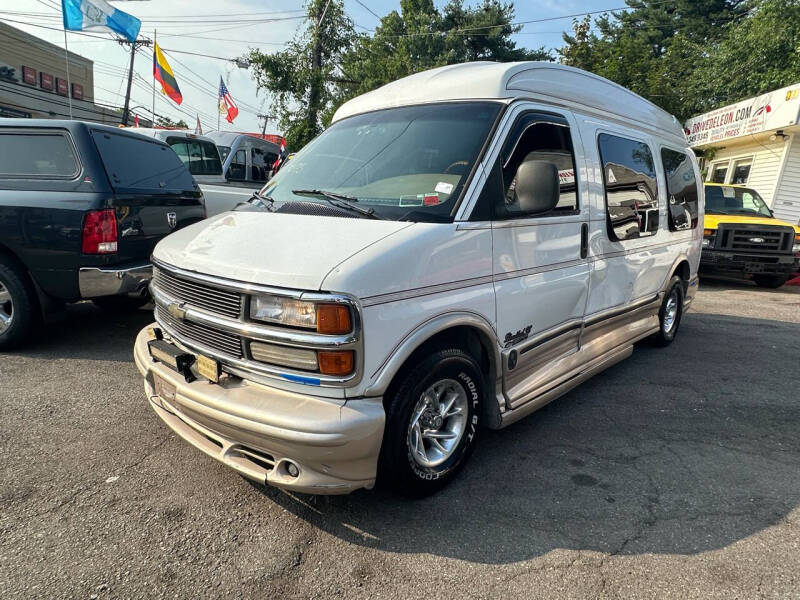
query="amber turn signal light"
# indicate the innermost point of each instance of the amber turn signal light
(708, 232)
(333, 319)
(339, 362)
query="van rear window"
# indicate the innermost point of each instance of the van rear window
(137, 163)
(37, 155)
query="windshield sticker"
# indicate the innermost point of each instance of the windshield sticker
(411, 200)
(431, 199)
(729, 192)
(444, 188)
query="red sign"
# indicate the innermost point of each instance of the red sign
(29, 75)
(46, 81)
(77, 91)
(62, 89)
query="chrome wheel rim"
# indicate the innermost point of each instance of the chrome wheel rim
(438, 422)
(671, 312)
(6, 308)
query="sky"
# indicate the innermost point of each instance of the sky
(194, 26)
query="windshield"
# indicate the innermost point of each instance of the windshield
(729, 200)
(406, 163)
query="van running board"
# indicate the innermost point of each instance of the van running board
(599, 364)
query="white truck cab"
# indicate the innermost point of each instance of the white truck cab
(458, 248)
(205, 162)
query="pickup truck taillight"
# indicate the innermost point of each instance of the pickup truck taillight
(99, 232)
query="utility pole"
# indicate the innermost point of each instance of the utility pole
(133, 46)
(316, 66)
(264, 128)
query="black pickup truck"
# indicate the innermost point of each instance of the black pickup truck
(81, 207)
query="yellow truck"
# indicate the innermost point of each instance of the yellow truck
(742, 238)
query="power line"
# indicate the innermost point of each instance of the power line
(376, 15)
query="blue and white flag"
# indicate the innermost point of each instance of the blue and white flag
(99, 15)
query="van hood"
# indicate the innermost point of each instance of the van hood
(712, 221)
(281, 250)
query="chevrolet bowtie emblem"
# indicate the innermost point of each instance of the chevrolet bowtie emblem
(176, 310)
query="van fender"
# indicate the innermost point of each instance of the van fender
(420, 334)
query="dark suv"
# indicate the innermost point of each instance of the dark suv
(81, 208)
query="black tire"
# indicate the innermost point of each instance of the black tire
(120, 303)
(668, 327)
(769, 281)
(398, 468)
(18, 304)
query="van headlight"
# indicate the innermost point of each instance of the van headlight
(708, 238)
(284, 311)
(324, 317)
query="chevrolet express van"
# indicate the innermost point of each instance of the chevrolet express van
(458, 248)
(743, 239)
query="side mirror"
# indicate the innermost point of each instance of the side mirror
(538, 189)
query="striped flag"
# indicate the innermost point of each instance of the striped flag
(99, 15)
(281, 157)
(227, 106)
(163, 74)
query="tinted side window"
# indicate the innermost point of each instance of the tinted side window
(37, 155)
(199, 156)
(681, 190)
(238, 167)
(631, 190)
(141, 164)
(259, 168)
(547, 142)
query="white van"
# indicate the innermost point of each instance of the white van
(456, 250)
(202, 157)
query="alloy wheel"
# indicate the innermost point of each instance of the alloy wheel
(6, 308)
(670, 312)
(438, 422)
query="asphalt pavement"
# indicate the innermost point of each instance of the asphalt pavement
(675, 474)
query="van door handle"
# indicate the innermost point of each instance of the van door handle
(584, 240)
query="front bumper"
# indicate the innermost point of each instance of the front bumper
(261, 431)
(94, 282)
(742, 265)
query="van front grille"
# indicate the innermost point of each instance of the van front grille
(198, 294)
(757, 239)
(220, 341)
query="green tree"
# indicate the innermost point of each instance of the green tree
(169, 123)
(655, 47)
(759, 54)
(421, 36)
(301, 78)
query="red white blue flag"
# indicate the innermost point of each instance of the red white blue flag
(227, 106)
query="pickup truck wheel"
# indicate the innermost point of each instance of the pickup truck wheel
(431, 423)
(769, 281)
(669, 316)
(18, 305)
(120, 303)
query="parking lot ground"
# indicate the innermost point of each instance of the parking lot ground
(675, 474)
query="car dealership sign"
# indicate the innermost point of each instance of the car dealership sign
(767, 112)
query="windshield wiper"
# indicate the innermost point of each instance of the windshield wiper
(259, 200)
(339, 201)
(254, 202)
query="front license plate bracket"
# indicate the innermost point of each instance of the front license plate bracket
(173, 357)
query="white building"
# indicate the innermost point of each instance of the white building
(755, 142)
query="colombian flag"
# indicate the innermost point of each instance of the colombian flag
(163, 74)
